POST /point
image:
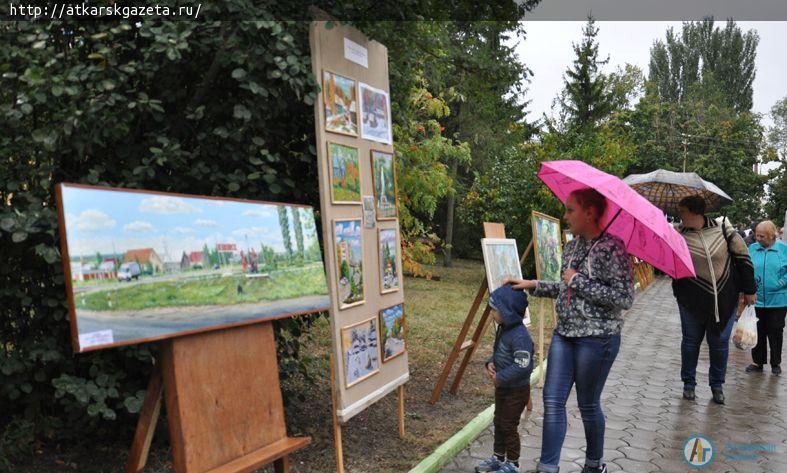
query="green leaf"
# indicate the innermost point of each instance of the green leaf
(19, 237)
(238, 74)
(233, 187)
(57, 90)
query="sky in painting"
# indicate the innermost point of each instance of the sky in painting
(106, 221)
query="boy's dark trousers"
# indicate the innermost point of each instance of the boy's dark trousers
(509, 404)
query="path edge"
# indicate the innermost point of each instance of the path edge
(460, 440)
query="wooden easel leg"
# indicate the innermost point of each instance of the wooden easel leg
(479, 332)
(282, 465)
(146, 425)
(530, 399)
(401, 411)
(337, 428)
(542, 356)
(438, 389)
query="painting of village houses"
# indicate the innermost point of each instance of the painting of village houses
(340, 98)
(148, 265)
(361, 351)
(389, 274)
(392, 326)
(347, 237)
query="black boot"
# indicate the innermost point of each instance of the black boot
(688, 394)
(718, 395)
(595, 469)
(754, 367)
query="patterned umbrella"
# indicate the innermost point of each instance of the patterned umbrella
(665, 189)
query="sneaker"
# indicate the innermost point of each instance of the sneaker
(508, 467)
(688, 394)
(490, 464)
(718, 395)
(753, 367)
(776, 370)
(595, 469)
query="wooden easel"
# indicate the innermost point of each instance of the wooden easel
(491, 230)
(224, 404)
(337, 426)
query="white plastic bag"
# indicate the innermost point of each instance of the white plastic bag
(745, 334)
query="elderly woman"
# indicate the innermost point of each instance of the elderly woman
(597, 285)
(708, 303)
(769, 256)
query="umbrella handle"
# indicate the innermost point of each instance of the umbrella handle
(612, 221)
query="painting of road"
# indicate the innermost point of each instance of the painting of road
(392, 325)
(148, 265)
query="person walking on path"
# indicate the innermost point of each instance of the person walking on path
(769, 256)
(707, 303)
(596, 286)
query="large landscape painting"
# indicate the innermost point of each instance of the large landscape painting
(146, 266)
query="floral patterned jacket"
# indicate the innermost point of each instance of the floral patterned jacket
(592, 303)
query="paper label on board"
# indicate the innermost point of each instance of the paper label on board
(369, 213)
(356, 53)
(91, 339)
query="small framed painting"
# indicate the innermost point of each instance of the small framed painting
(501, 261)
(548, 250)
(392, 326)
(388, 251)
(384, 185)
(349, 262)
(345, 174)
(361, 352)
(341, 103)
(375, 114)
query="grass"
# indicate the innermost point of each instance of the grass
(342, 194)
(285, 284)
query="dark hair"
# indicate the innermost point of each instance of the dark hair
(588, 197)
(694, 203)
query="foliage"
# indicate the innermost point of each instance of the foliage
(703, 55)
(776, 202)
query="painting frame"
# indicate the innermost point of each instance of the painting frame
(537, 251)
(382, 215)
(332, 177)
(403, 326)
(66, 251)
(347, 383)
(341, 305)
(486, 243)
(397, 259)
(327, 102)
(364, 132)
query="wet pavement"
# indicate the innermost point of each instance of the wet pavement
(648, 422)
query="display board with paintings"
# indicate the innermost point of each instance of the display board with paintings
(357, 172)
(548, 246)
(144, 266)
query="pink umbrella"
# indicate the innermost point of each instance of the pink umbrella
(641, 225)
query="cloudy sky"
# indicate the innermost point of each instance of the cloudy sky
(100, 220)
(548, 52)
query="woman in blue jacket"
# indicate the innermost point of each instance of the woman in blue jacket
(769, 256)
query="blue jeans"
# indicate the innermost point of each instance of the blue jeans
(585, 361)
(694, 331)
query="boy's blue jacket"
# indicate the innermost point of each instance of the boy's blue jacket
(513, 352)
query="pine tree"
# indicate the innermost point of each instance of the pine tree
(586, 99)
(284, 224)
(296, 221)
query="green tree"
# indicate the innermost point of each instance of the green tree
(296, 222)
(586, 98)
(776, 201)
(284, 225)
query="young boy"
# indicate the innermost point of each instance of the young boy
(509, 368)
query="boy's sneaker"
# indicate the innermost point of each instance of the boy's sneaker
(595, 469)
(508, 467)
(490, 464)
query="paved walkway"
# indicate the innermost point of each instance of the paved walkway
(648, 422)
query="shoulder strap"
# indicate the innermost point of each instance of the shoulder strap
(724, 232)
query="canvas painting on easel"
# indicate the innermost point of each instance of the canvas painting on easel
(146, 266)
(501, 261)
(548, 248)
(360, 348)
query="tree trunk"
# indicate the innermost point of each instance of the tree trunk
(449, 219)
